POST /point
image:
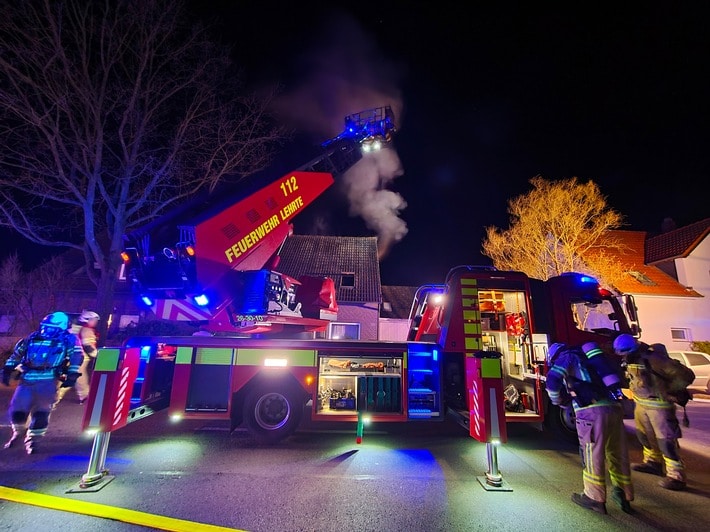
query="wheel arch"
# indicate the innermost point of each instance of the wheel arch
(266, 380)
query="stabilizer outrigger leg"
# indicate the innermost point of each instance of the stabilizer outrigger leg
(96, 476)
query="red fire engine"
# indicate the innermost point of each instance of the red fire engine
(267, 384)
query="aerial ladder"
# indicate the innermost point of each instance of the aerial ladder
(221, 268)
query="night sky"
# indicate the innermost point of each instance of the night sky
(486, 98)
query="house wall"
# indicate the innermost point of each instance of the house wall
(395, 330)
(694, 271)
(658, 315)
(366, 314)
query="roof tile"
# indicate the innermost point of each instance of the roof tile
(678, 243)
(334, 256)
(631, 256)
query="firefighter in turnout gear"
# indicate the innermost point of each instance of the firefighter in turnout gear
(584, 380)
(39, 361)
(652, 374)
(88, 338)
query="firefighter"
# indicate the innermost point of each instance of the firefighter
(581, 379)
(649, 369)
(89, 340)
(38, 361)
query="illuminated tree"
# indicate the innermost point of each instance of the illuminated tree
(112, 112)
(559, 226)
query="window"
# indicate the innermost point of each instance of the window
(128, 320)
(697, 360)
(344, 331)
(681, 335)
(594, 317)
(347, 280)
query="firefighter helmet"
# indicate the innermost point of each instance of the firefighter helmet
(625, 344)
(553, 351)
(54, 324)
(88, 315)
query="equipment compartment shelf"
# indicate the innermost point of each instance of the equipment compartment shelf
(348, 385)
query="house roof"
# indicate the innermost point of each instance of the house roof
(397, 301)
(678, 243)
(647, 279)
(350, 259)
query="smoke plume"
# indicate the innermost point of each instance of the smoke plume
(366, 186)
(344, 73)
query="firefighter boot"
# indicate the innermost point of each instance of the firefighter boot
(619, 497)
(673, 484)
(652, 468)
(590, 504)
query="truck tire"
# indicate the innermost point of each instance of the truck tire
(271, 415)
(562, 421)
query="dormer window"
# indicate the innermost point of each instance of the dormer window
(641, 278)
(347, 280)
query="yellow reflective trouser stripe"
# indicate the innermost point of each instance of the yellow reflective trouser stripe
(592, 479)
(622, 480)
(104, 511)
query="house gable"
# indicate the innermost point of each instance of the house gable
(351, 262)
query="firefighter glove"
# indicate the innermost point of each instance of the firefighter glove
(70, 380)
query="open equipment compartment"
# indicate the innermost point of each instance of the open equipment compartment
(352, 381)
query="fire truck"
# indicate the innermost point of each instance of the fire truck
(250, 374)
(268, 384)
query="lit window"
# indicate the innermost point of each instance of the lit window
(344, 331)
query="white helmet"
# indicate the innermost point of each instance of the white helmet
(88, 315)
(54, 323)
(625, 344)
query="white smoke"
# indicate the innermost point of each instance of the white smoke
(365, 185)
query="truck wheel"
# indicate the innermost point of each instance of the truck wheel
(562, 421)
(270, 416)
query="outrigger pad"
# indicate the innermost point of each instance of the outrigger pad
(77, 488)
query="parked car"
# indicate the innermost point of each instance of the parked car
(699, 363)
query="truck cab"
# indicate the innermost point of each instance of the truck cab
(511, 316)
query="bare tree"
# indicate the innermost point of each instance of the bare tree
(559, 226)
(112, 112)
(26, 297)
